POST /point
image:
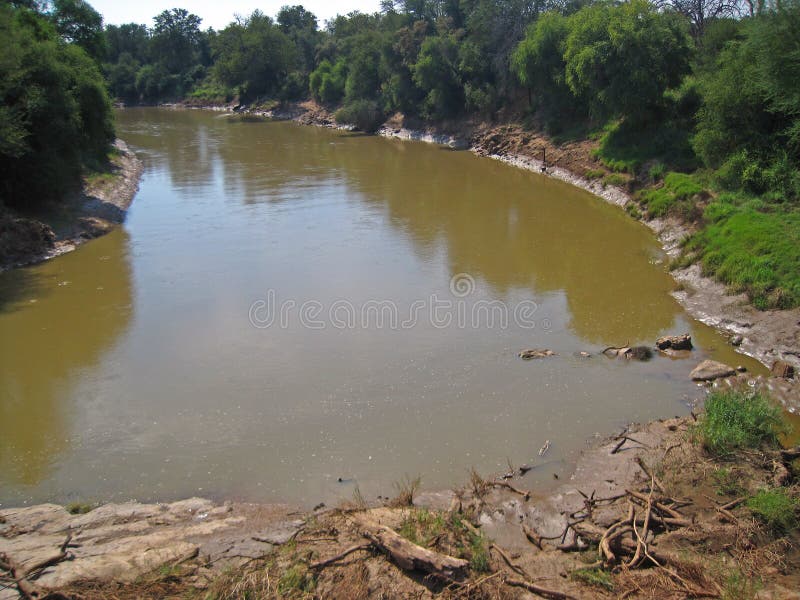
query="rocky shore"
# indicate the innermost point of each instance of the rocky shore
(94, 210)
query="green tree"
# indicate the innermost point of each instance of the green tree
(622, 58)
(55, 112)
(253, 54)
(436, 74)
(77, 22)
(176, 40)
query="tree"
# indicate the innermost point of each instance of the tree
(254, 54)
(622, 58)
(300, 26)
(77, 22)
(55, 114)
(436, 74)
(176, 40)
(702, 12)
(538, 61)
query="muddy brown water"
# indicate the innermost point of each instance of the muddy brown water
(289, 306)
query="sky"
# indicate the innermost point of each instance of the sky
(218, 14)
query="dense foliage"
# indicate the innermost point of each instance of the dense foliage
(55, 115)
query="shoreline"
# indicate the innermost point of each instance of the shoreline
(93, 211)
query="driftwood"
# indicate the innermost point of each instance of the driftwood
(411, 557)
(533, 537)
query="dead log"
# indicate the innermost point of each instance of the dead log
(411, 557)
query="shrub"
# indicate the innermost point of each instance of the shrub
(364, 114)
(775, 508)
(736, 419)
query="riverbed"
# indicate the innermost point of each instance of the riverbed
(292, 312)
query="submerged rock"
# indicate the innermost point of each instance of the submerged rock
(675, 342)
(708, 370)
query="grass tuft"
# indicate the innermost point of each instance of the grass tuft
(594, 577)
(736, 420)
(775, 508)
(79, 508)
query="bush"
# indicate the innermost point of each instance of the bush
(363, 114)
(775, 508)
(735, 420)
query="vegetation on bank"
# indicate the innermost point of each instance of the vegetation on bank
(55, 116)
(695, 105)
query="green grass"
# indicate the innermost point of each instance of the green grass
(678, 188)
(775, 508)
(594, 577)
(615, 179)
(422, 526)
(752, 251)
(296, 578)
(594, 174)
(735, 420)
(78, 508)
(479, 554)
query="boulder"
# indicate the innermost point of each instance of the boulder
(709, 370)
(674, 342)
(781, 368)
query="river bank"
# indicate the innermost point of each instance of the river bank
(91, 212)
(494, 537)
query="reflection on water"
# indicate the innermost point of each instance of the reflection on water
(56, 321)
(137, 371)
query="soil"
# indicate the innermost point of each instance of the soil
(94, 210)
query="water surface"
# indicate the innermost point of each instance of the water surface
(144, 365)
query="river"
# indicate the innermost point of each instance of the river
(289, 306)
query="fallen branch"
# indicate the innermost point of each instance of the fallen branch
(533, 537)
(507, 559)
(328, 561)
(505, 484)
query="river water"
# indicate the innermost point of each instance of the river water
(289, 306)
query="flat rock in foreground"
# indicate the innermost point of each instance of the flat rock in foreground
(120, 542)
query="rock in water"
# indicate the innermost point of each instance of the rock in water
(531, 354)
(708, 370)
(675, 342)
(781, 368)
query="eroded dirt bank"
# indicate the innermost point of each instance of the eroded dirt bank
(96, 209)
(646, 514)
